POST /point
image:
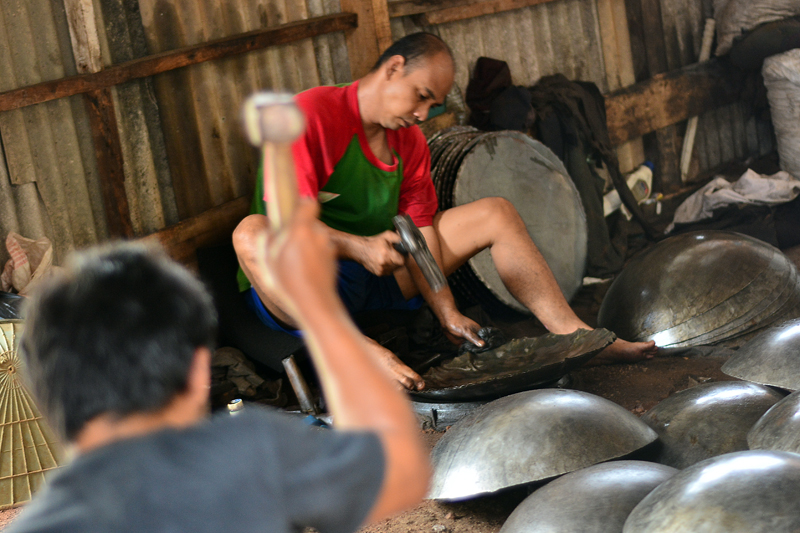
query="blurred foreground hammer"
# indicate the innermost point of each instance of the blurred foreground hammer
(272, 122)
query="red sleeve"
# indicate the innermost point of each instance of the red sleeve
(309, 165)
(417, 193)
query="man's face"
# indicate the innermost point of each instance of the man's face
(411, 92)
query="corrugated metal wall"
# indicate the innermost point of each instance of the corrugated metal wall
(210, 161)
(180, 132)
(564, 37)
(561, 36)
(48, 176)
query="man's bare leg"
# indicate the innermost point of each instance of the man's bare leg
(244, 241)
(494, 223)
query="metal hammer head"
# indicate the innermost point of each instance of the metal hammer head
(413, 242)
(272, 117)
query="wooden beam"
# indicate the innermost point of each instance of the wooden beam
(404, 8)
(211, 227)
(669, 98)
(110, 167)
(616, 43)
(174, 59)
(102, 118)
(373, 34)
(475, 9)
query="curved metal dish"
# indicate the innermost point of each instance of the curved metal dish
(708, 420)
(531, 436)
(779, 428)
(672, 292)
(771, 358)
(742, 492)
(518, 365)
(596, 499)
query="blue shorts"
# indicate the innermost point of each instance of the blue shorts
(359, 289)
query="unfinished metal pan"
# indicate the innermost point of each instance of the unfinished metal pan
(700, 288)
(708, 420)
(596, 499)
(531, 436)
(771, 358)
(779, 428)
(518, 365)
(742, 492)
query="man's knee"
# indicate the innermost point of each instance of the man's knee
(246, 233)
(497, 210)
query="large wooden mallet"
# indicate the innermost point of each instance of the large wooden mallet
(272, 122)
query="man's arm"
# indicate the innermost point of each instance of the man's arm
(376, 253)
(300, 266)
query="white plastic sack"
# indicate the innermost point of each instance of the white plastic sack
(751, 188)
(734, 17)
(782, 78)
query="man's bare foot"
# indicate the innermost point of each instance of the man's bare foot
(621, 351)
(399, 371)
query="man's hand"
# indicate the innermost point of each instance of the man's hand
(378, 254)
(459, 328)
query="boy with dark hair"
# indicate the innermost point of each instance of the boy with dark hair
(118, 351)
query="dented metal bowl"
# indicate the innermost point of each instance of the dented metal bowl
(771, 358)
(742, 492)
(779, 428)
(684, 291)
(708, 420)
(596, 499)
(531, 436)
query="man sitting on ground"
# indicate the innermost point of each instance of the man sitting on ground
(118, 351)
(365, 160)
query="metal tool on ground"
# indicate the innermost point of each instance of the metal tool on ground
(413, 242)
(300, 387)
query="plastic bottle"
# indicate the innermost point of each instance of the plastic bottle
(640, 182)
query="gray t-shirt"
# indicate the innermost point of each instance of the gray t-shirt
(256, 471)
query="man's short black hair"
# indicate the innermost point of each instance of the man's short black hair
(415, 47)
(114, 333)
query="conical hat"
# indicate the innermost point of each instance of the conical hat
(28, 447)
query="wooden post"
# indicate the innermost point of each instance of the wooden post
(619, 68)
(102, 118)
(372, 36)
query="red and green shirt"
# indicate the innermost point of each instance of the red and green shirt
(358, 193)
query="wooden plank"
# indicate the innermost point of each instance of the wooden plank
(174, 59)
(667, 99)
(383, 28)
(404, 8)
(211, 227)
(102, 118)
(475, 9)
(618, 60)
(363, 46)
(108, 151)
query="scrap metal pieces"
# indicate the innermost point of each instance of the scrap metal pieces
(596, 499)
(469, 165)
(742, 492)
(771, 358)
(708, 420)
(531, 436)
(779, 428)
(518, 365)
(701, 288)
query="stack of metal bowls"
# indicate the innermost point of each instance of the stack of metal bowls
(701, 288)
(468, 165)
